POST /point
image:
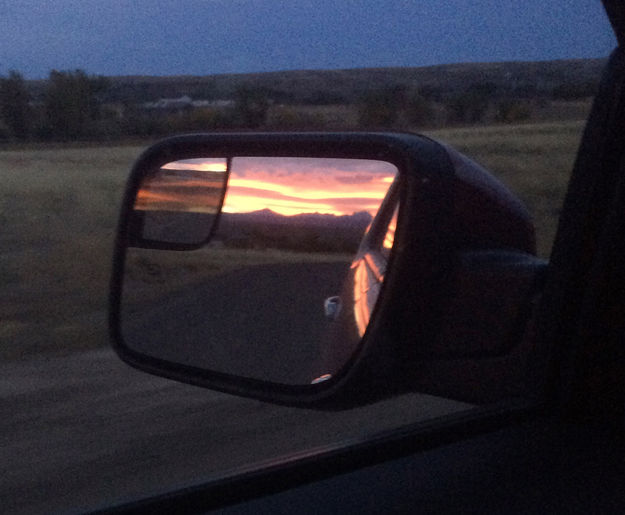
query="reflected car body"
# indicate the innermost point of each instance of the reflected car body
(369, 266)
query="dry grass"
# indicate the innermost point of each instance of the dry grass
(58, 209)
(59, 205)
(533, 160)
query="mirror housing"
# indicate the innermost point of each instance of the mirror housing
(448, 206)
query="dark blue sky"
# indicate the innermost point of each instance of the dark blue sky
(201, 37)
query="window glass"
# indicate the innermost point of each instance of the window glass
(80, 429)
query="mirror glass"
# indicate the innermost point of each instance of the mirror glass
(284, 289)
(178, 202)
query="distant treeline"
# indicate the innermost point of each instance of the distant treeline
(73, 105)
(302, 239)
(336, 235)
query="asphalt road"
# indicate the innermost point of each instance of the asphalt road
(265, 322)
(85, 430)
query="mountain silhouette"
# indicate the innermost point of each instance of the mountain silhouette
(360, 219)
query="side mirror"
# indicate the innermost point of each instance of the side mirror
(290, 267)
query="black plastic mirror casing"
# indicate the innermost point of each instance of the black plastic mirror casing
(424, 251)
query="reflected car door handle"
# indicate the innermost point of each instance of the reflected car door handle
(332, 307)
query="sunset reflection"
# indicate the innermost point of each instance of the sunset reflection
(192, 185)
(290, 186)
(198, 165)
(389, 238)
(287, 186)
(361, 307)
(369, 270)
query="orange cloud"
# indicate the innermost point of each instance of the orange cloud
(307, 185)
(192, 185)
(287, 186)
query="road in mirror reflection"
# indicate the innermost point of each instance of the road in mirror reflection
(251, 302)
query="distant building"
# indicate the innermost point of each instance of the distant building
(214, 104)
(185, 103)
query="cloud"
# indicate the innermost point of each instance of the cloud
(307, 185)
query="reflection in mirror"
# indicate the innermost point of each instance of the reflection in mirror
(273, 295)
(178, 203)
(369, 267)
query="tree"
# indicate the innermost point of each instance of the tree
(73, 103)
(14, 107)
(381, 108)
(251, 106)
(575, 91)
(471, 106)
(418, 110)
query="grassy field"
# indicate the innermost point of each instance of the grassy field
(58, 209)
(59, 205)
(533, 160)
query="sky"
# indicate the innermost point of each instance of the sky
(287, 186)
(205, 37)
(290, 186)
